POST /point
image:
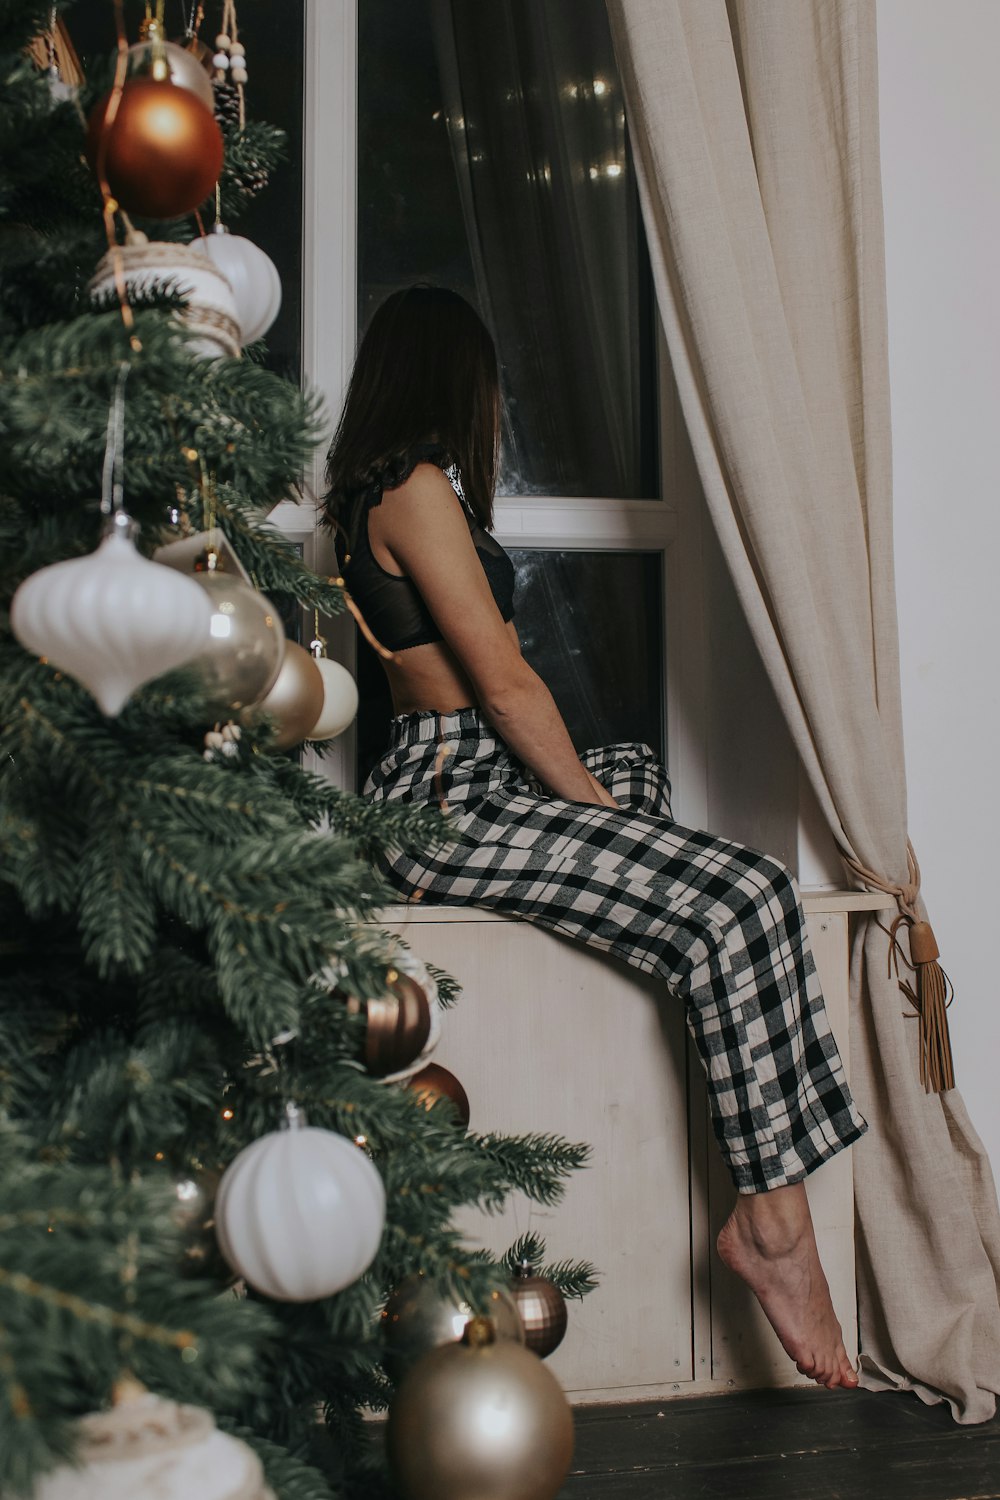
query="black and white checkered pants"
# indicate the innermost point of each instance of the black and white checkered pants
(720, 923)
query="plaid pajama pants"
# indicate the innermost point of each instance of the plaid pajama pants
(720, 923)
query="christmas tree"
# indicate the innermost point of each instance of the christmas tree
(188, 927)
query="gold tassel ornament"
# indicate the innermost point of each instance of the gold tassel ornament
(930, 993)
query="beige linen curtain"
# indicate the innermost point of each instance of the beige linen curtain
(754, 126)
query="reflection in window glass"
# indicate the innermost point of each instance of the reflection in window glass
(590, 623)
(493, 158)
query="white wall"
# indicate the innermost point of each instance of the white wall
(940, 113)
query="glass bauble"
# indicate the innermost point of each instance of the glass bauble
(245, 641)
(433, 1083)
(397, 1025)
(163, 152)
(419, 1317)
(294, 698)
(480, 1420)
(166, 62)
(543, 1310)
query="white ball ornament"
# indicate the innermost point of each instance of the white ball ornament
(113, 620)
(340, 700)
(252, 275)
(299, 1214)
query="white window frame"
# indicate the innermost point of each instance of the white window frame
(671, 527)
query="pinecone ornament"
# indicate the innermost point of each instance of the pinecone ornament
(227, 103)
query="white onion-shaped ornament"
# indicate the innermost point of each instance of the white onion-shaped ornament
(340, 697)
(299, 1214)
(148, 1446)
(252, 275)
(113, 620)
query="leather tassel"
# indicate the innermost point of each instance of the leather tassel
(930, 994)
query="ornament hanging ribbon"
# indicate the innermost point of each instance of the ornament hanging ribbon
(929, 991)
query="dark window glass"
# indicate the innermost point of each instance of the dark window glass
(591, 624)
(493, 158)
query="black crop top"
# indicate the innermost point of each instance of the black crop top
(391, 604)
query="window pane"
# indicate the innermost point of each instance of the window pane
(493, 158)
(590, 623)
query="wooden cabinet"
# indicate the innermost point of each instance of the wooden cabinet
(551, 1036)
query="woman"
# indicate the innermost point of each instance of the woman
(583, 845)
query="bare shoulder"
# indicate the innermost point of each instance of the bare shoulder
(424, 509)
(425, 488)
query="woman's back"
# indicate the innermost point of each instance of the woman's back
(463, 573)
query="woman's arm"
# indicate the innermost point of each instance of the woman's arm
(422, 528)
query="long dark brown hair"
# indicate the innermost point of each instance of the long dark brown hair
(425, 377)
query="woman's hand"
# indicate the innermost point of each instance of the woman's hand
(601, 793)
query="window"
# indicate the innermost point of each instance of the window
(492, 157)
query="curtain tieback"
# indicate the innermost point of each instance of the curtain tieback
(930, 991)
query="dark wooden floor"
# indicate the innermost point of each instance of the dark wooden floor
(782, 1445)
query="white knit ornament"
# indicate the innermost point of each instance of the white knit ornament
(252, 275)
(113, 620)
(146, 1446)
(340, 700)
(211, 307)
(300, 1212)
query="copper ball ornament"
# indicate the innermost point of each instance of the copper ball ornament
(542, 1307)
(397, 1025)
(480, 1420)
(433, 1083)
(418, 1317)
(162, 154)
(295, 700)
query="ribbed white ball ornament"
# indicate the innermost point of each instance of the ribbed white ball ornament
(300, 1212)
(252, 275)
(113, 620)
(340, 699)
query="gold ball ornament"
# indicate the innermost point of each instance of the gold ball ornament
(542, 1307)
(162, 154)
(418, 1317)
(245, 642)
(397, 1025)
(295, 699)
(480, 1420)
(433, 1083)
(166, 62)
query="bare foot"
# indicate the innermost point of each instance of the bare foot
(769, 1242)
